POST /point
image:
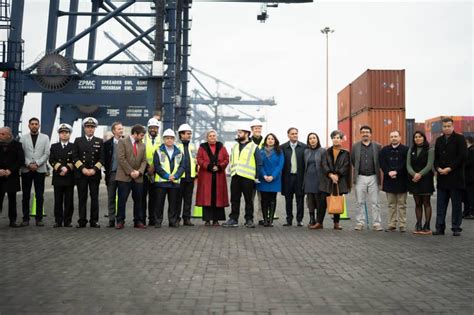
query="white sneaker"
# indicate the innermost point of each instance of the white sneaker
(359, 227)
(377, 227)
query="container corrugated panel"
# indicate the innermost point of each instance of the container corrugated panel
(436, 126)
(344, 103)
(345, 127)
(409, 129)
(420, 126)
(378, 89)
(382, 123)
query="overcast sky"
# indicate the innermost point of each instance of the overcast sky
(285, 57)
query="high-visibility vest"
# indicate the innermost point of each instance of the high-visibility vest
(243, 163)
(166, 166)
(192, 156)
(150, 148)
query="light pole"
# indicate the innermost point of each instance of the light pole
(326, 31)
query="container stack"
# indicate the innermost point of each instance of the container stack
(462, 124)
(377, 99)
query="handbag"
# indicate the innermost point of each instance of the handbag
(335, 203)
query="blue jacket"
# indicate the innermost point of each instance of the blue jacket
(271, 166)
(162, 173)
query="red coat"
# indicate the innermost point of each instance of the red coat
(204, 186)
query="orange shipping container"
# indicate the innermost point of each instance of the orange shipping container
(420, 127)
(382, 123)
(378, 89)
(345, 127)
(344, 103)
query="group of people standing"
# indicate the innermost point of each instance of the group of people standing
(155, 168)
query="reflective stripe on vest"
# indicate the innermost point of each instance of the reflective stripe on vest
(150, 148)
(192, 155)
(243, 163)
(165, 165)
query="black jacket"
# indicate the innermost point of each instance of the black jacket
(470, 166)
(450, 153)
(394, 159)
(285, 175)
(12, 158)
(108, 155)
(59, 157)
(341, 167)
(89, 155)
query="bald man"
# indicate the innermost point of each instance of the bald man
(12, 158)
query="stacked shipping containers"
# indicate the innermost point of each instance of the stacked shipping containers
(344, 115)
(411, 127)
(377, 99)
(462, 124)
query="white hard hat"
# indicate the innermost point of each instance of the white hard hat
(153, 122)
(65, 127)
(90, 121)
(169, 133)
(184, 127)
(256, 122)
(244, 127)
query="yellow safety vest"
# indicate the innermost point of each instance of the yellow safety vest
(150, 148)
(192, 155)
(243, 163)
(165, 165)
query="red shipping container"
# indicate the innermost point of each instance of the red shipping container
(420, 127)
(382, 123)
(344, 103)
(378, 89)
(345, 127)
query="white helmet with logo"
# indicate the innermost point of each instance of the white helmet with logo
(169, 133)
(90, 121)
(64, 127)
(153, 122)
(184, 127)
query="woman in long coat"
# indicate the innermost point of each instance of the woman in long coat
(212, 195)
(335, 177)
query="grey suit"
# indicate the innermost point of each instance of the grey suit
(367, 187)
(39, 153)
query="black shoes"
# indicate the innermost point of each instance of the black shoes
(299, 224)
(438, 232)
(24, 223)
(456, 233)
(187, 222)
(249, 224)
(111, 224)
(157, 225)
(57, 225)
(261, 222)
(14, 225)
(288, 224)
(173, 225)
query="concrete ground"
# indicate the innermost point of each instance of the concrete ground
(213, 270)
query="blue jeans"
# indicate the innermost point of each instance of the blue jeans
(123, 193)
(442, 207)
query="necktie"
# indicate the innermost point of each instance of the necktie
(64, 146)
(293, 160)
(153, 141)
(135, 149)
(89, 139)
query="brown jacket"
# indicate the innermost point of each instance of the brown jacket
(127, 162)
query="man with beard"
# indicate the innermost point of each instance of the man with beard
(152, 143)
(36, 148)
(365, 161)
(244, 162)
(11, 160)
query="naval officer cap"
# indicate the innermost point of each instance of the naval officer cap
(65, 127)
(90, 121)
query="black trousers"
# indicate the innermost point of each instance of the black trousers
(161, 193)
(63, 204)
(268, 197)
(442, 201)
(185, 199)
(322, 207)
(241, 186)
(290, 191)
(27, 181)
(12, 214)
(84, 187)
(149, 190)
(124, 189)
